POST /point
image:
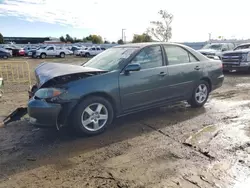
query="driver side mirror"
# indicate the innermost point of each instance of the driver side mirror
(132, 67)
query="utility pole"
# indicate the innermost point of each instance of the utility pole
(123, 34)
(209, 36)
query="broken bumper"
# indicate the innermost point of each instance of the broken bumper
(43, 114)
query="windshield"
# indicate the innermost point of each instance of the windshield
(43, 47)
(242, 47)
(109, 60)
(213, 46)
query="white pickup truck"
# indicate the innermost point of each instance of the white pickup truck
(51, 51)
(91, 51)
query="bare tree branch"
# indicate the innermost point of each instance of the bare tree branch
(162, 30)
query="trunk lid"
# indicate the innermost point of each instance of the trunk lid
(48, 71)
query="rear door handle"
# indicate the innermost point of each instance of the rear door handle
(197, 68)
(162, 73)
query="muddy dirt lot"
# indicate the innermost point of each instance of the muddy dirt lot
(169, 147)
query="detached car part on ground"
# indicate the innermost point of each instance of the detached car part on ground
(238, 59)
(120, 81)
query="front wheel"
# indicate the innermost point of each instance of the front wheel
(92, 116)
(200, 94)
(5, 57)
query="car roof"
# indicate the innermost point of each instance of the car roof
(142, 45)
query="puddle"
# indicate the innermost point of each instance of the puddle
(202, 135)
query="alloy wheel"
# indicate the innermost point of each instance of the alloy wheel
(201, 93)
(94, 117)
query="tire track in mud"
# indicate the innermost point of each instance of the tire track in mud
(194, 148)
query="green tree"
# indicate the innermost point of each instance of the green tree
(1, 39)
(120, 41)
(69, 38)
(106, 42)
(62, 39)
(142, 38)
(97, 39)
(162, 30)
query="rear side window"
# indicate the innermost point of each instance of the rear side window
(177, 55)
(149, 57)
(92, 48)
(98, 49)
(103, 48)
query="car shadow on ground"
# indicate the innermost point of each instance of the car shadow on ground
(23, 147)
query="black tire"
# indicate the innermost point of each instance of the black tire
(62, 55)
(80, 112)
(87, 55)
(5, 57)
(194, 102)
(43, 56)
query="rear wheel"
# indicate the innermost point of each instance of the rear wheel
(62, 55)
(43, 56)
(200, 94)
(87, 55)
(92, 116)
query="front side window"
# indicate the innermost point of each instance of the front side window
(98, 49)
(92, 48)
(149, 57)
(51, 48)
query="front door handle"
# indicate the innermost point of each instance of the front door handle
(197, 68)
(162, 73)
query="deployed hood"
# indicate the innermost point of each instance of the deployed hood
(48, 71)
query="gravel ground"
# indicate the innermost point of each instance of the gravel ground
(166, 147)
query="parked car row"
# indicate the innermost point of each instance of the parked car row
(42, 51)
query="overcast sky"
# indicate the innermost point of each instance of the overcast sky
(193, 19)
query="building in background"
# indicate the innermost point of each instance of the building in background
(25, 40)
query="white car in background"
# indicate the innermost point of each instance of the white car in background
(68, 52)
(80, 51)
(51, 51)
(92, 51)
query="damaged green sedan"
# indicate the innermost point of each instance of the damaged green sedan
(122, 80)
